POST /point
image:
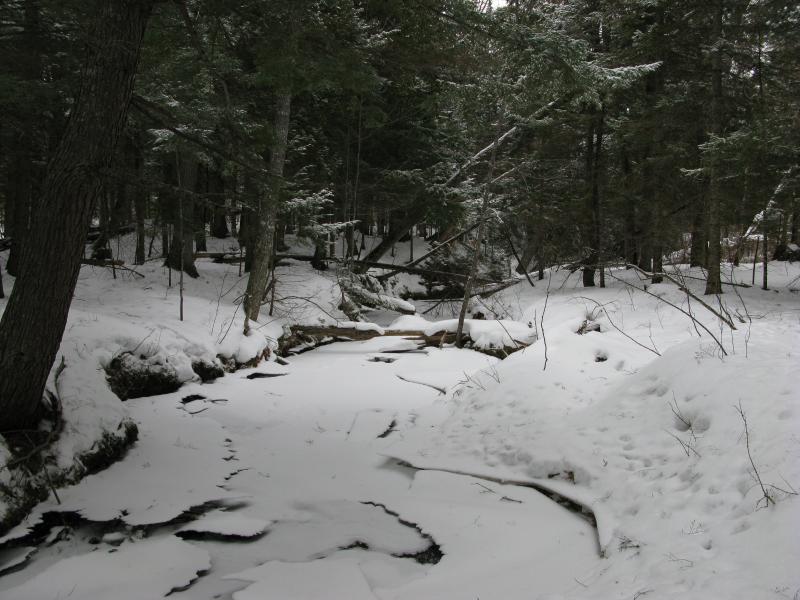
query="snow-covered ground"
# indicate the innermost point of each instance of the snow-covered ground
(347, 473)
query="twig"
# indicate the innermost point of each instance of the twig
(638, 343)
(685, 290)
(519, 260)
(687, 447)
(430, 385)
(766, 498)
(676, 307)
(541, 321)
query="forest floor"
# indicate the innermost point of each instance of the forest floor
(347, 474)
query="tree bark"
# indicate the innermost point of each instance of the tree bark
(699, 245)
(139, 203)
(200, 209)
(714, 284)
(765, 254)
(594, 140)
(24, 174)
(216, 189)
(263, 236)
(33, 323)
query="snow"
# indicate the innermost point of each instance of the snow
(300, 581)
(655, 445)
(640, 426)
(178, 462)
(228, 524)
(147, 569)
(488, 334)
(485, 334)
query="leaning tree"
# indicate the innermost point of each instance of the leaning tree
(35, 317)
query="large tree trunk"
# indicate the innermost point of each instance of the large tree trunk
(36, 314)
(714, 284)
(266, 213)
(24, 175)
(19, 202)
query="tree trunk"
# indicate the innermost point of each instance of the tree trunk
(531, 247)
(216, 189)
(33, 323)
(473, 271)
(699, 247)
(714, 283)
(765, 254)
(592, 255)
(267, 212)
(200, 210)
(181, 251)
(139, 202)
(24, 174)
(658, 265)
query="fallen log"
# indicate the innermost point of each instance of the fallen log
(303, 336)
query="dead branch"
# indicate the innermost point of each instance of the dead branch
(519, 260)
(441, 390)
(603, 308)
(676, 307)
(433, 251)
(766, 498)
(111, 264)
(686, 291)
(498, 141)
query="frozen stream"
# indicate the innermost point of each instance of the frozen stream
(302, 457)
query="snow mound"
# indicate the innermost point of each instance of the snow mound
(653, 441)
(485, 334)
(227, 524)
(179, 462)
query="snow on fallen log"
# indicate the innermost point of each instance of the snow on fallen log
(497, 338)
(483, 334)
(224, 524)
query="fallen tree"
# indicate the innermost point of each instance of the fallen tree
(301, 338)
